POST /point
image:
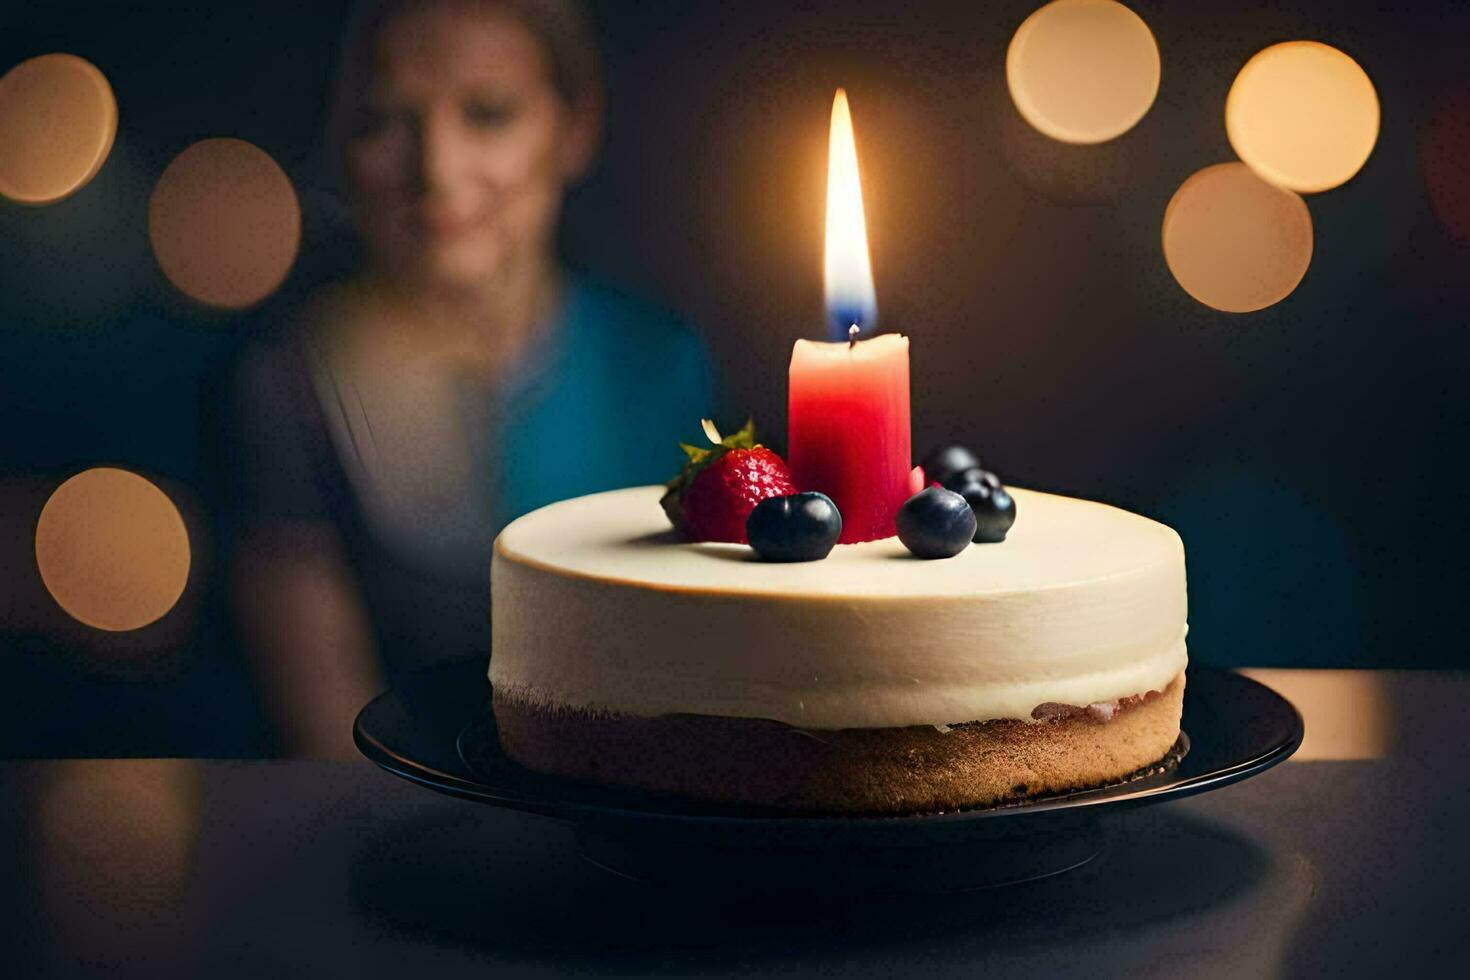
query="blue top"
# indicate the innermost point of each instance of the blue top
(600, 401)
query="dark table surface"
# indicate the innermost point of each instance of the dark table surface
(156, 868)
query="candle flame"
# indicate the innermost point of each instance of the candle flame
(847, 269)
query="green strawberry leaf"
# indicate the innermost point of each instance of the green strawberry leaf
(744, 439)
(695, 453)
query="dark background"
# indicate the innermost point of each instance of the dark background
(1310, 454)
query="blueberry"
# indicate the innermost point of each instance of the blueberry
(974, 474)
(994, 508)
(944, 463)
(799, 527)
(935, 523)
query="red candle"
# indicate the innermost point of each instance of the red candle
(848, 429)
(848, 421)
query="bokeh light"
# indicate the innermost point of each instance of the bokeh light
(1303, 115)
(58, 118)
(112, 549)
(1234, 241)
(1083, 71)
(225, 223)
(1447, 163)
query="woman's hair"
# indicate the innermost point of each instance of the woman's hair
(560, 26)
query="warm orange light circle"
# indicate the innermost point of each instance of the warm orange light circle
(1234, 241)
(225, 223)
(112, 549)
(1303, 115)
(58, 118)
(1083, 71)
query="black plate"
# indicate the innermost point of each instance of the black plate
(436, 729)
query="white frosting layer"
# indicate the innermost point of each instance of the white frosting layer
(597, 606)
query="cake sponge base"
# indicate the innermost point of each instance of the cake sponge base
(914, 769)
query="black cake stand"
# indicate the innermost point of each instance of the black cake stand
(436, 729)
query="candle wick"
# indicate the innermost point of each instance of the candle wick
(852, 334)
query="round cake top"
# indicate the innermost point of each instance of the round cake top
(623, 536)
(599, 606)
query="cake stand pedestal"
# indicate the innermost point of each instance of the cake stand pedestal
(996, 855)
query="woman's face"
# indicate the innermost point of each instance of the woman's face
(458, 163)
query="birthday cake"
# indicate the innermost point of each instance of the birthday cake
(847, 633)
(869, 681)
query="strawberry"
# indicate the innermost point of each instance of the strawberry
(720, 486)
(723, 494)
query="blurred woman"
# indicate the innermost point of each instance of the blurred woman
(461, 378)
